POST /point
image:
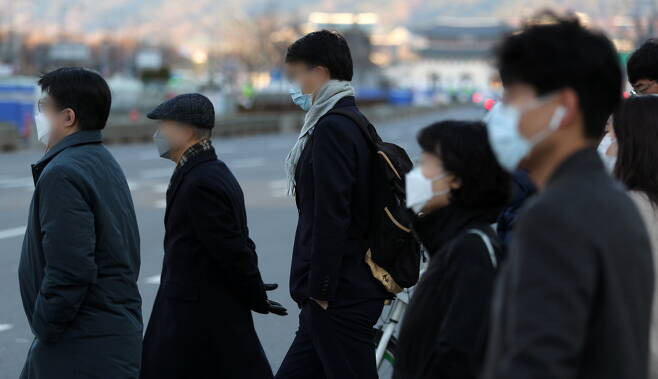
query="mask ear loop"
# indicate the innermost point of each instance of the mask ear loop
(553, 125)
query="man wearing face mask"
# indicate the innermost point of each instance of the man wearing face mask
(80, 260)
(329, 173)
(201, 325)
(574, 297)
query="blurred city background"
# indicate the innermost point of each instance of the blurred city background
(416, 62)
(406, 52)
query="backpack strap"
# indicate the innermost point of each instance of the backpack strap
(488, 244)
(364, 125)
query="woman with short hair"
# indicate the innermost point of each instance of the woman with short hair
(457, 192)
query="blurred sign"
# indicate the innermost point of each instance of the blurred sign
(75, 52)
(17, 107)
(148, 59)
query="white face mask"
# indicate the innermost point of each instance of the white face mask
(507, 143)
(419, 189)
(608, 160)
(44, 127)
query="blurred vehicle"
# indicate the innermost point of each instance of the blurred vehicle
(486, 98)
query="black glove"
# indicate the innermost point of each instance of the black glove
(269, 306)
(270, 286)
(277, 308)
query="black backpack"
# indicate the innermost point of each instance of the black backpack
(394, 253)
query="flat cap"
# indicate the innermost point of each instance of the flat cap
(189, 108)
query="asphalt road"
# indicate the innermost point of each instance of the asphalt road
(257, 163)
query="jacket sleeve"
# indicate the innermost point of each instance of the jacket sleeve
(334, 168)
(217, 227)
(68, 242)
(463, 329)
(553, 276)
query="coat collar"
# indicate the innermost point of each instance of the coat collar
(347, 101)
(583, 160)
(179, 174)
(437, 229)
(81, 137)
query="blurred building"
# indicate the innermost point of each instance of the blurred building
(450, 58)
(357, 28)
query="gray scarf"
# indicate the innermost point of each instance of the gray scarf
(324, 100)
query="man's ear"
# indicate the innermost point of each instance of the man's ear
(70, 119)
(569, 100)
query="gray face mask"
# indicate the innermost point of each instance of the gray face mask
(163, 144)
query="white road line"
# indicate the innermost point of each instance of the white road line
(148, 155)
(160, 188)
(278, 188)
(133, 186)
(21, 182)
(246, 163)
(155, 279)
(225, 149)
(161, 204)
(12, 232)
(276, 145)
(156, 173)
(4, 327)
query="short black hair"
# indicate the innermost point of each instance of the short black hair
(323, 48)
(463, 147)
(552, 52)
(82, 90)
(636, 129)
(643, 63)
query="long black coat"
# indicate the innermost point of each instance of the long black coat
(333, 189)
(201, 325)
(79, 266)
(445, 328)
(574, 297)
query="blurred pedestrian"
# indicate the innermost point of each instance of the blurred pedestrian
(636, 128)
(522, 191)
(80, 259)
(642, 68)
(574, 296)
(608, 147)
(329, 173)
(201, 325)
(459, 189)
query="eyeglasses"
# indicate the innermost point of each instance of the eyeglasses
(642, 90)
(42, 104)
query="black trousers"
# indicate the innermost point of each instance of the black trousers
(336, 343)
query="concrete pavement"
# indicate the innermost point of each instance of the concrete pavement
(257, 163)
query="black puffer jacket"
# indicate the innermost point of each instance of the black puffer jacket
(79, 266)
(445, 327)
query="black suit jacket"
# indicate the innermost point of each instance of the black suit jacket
(574, 299)
(333, 187)
(201, 325)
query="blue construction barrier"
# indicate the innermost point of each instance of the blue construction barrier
(17, 104)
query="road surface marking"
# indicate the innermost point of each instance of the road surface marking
(160, 188)
(246, 163)
(148, 155)
(278, 188)
(156, 173)
(4, 327)
(12, 232)
(133, 186)
(7, 183)
(279, 145)
(155, 279)
(161, 204)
